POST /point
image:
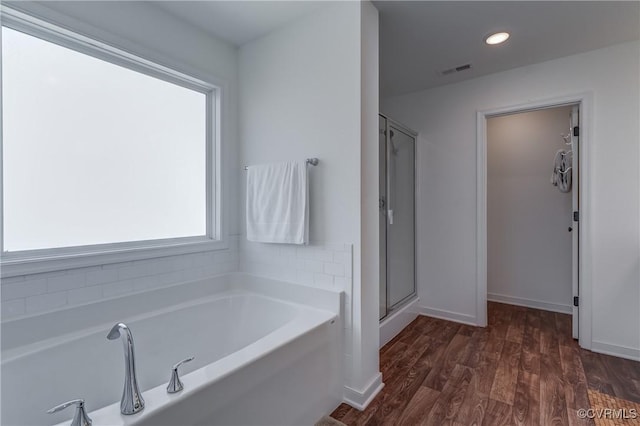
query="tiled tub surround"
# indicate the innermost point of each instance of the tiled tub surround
(38, 293)
(249, 335)
(324, 265)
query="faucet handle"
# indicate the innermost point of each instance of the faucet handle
(80, 417)
(175, 384)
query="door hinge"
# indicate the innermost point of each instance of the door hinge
(576, 216)
(576, 301)
(576, 131)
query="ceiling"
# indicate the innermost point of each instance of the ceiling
(420, 39)
(239, 22)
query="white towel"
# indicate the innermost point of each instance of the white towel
(278, 203)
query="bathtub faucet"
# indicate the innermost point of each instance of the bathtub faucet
(132, 401)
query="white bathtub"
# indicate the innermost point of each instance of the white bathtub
(266, 353)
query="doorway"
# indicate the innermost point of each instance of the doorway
(571, 145)
(529, 214)
(397, 215)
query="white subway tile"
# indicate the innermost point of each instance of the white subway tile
(309, 265)
(65, 282)
(45, 302)
(323, 255)
(193, 274)
(101, 276)
(13, 308)
(337, 247)
(45, 275)
(288, 250)
(162, 266)
(145, 283)
(84, 295)
(21, 289)
(334, 269)
(342, 257)
(134, 271)
(180, 262)
(305, 252)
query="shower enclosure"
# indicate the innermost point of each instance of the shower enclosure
(397, 215)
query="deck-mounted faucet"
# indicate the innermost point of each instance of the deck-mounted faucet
(132, 401)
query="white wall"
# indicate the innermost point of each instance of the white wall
(368, 291)
(529, 252)
(299, 97)
(300, 92)
(150, 32)
(446, 119)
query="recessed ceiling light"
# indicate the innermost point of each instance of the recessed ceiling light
(497, 38)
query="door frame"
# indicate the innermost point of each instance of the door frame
(585, 102)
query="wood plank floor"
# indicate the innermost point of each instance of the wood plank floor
(523, 369)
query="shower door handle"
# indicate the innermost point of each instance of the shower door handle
(390, 216)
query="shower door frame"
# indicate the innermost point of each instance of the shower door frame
(402, 128)
(585, 102)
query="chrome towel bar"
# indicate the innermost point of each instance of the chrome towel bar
(312, 161)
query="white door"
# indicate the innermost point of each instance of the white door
(575, 225)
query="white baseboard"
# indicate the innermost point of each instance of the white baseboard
(361, 399)
(397, 321)
(616, 350)
(530, 303)
(447, 315)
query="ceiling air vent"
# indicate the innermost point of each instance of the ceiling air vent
(456, 69)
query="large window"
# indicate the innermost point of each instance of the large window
(100, 150)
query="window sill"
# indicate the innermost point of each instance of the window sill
(40, 261)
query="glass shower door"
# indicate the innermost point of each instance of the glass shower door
(400, 217)
(397, 218)
(382, 182)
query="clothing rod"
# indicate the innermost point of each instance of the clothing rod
(312, 161)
